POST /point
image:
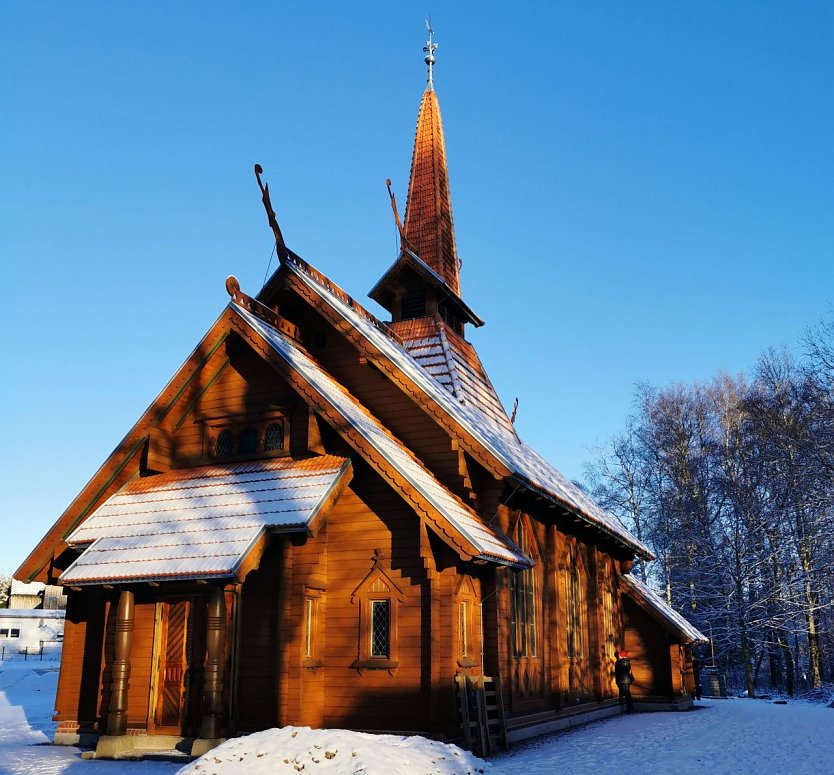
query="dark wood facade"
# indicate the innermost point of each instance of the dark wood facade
(364, 619)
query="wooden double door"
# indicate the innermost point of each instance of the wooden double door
(180, 660)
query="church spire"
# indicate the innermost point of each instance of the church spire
(424, 282)
(428, 213)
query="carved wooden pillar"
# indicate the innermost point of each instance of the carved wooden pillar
(117, 711)
(215, 642)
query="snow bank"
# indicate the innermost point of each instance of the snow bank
(334, 752)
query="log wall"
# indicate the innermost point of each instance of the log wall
(648, 649)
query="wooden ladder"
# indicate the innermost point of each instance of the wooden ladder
(481, 713)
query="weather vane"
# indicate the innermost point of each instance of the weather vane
(429, 49)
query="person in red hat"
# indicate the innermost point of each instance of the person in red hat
(624, 679)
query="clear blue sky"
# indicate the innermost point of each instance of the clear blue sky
(642, 191)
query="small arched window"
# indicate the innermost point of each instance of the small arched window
(224, 445)
(248, 442)
(274, 436)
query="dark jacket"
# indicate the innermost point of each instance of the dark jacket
(622, 672)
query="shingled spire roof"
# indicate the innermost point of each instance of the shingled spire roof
(428, 214)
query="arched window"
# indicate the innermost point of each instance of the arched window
(224, 445)
(574, 605)
(609, 632)
(523, 602)
(466, 624)
(274, 436)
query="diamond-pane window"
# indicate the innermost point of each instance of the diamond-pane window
(274, 436)
(381, 628)
(223, 445)
(248, 442)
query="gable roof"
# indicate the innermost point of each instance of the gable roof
(201, 523)
(123, 463)
(451, 516)
(495, 446)
(651, 602)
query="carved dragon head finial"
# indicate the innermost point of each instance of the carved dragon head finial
(280, 245)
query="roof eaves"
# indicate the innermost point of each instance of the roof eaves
(639, 548)
(655, 606)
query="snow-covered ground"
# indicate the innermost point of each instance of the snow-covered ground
(27, 699)
(722, 737)
(719, 736)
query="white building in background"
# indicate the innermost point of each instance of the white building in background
(29, 630)
(36, 595)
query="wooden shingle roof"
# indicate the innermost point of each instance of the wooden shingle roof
(428, 211)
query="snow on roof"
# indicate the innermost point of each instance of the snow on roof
(529, 467)
(27, 588)
(199, 522)
(453, 362)
(669, 615)
(489, 543)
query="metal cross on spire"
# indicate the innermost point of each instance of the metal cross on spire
(429, 50)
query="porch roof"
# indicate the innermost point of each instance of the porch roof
(202, 522)
(651, 602)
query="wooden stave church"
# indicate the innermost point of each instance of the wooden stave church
(328, 520)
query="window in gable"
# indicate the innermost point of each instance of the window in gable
(224, 444)
(246, 438)
(274, 436)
